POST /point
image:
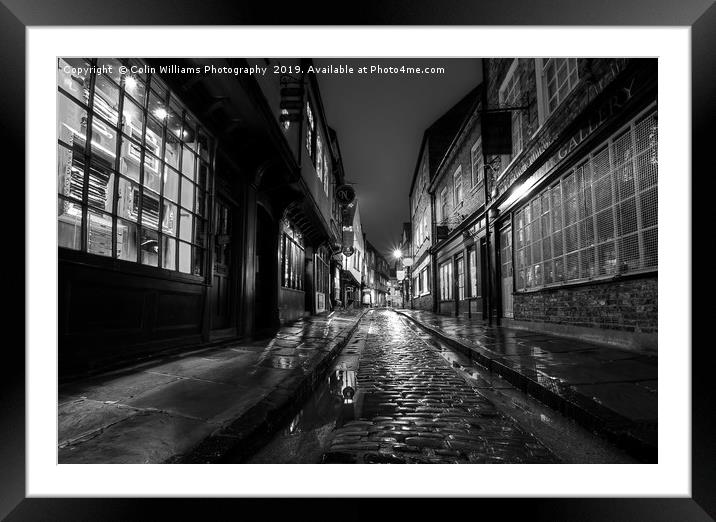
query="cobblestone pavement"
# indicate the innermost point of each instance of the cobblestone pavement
(413, 407)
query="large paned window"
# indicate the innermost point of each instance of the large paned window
(457, 184)
(133, 168)
(425, 280)
(472, 267)
(559, 77)
(599, 219)
(292, 256)
(510, 95)
(478, 171)
(446, 281)
(460, 269)
(443, 204)
(310, 131)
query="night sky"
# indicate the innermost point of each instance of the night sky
(380, 120)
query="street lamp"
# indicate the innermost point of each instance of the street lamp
(397, 254)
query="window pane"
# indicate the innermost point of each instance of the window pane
(169, 246)
(200, 227)
(128, 199)
(69, 224)
(129, 158)
(173, 148)
(169, 218)
(155, 136)
(132, 119)
(70, 172)
(185, 224)
(149, 247)
(203, 176)
(203, 146)
(106, 99)
(184, 258)
(171, 184)
(112, 66)
(157, 107)
(71, 121)
(199, 261)
(104, 141)
(99, 233)
(190, 133)
(101, 185)
(126, 240)
(187, 193)
(150, 209)
(73, 78)
(152, 168)
(187, 163)
(136, 88)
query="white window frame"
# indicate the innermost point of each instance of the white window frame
(516, 115)
(543, 109)
(442, 207)
(476, 177)
(457, 175)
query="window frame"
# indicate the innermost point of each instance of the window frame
(94, 157)
(586, 222)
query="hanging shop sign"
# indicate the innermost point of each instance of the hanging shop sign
(497, 132)
(345, 194)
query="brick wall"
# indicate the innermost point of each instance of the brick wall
(460, 156)
(424, 302)
(629, 305)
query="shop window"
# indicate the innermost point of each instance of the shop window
(292, 256)
(599, 219)
(472, 267)
(134, 192)
(446, 281)
(559, 77)
(460, 269)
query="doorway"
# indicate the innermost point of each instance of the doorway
(506, 270)
(222, 282)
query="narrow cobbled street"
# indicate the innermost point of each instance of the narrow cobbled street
(393, 398)
(416, 408)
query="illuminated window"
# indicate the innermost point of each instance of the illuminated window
(133, 169)
(446, 281)
(292, 256)
(599, 219)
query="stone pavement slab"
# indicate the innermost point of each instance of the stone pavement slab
(197, 407)
(608, 390)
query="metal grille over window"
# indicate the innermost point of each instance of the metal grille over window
(599, 219)
(133, 168)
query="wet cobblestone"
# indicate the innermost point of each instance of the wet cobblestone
(414, 408)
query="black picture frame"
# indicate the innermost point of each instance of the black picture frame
(700, 15)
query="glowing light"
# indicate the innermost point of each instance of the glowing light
(130, 83)
(397, 254)
(160, 113)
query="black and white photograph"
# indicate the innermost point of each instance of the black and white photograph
(357, 260)
(285, 246)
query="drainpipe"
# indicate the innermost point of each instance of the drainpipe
(487, 171)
